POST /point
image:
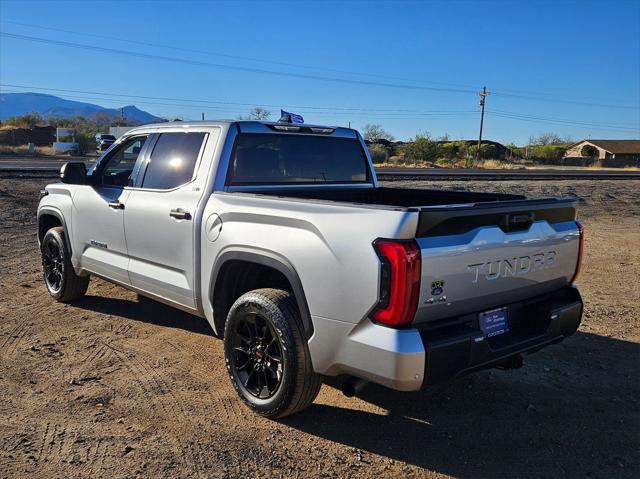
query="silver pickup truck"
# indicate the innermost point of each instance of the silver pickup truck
(279, 235)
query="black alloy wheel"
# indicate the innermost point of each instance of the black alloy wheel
(53, 265)
(257, 356)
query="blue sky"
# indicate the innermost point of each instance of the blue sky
(572, 68)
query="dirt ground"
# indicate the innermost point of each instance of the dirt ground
(113, 386)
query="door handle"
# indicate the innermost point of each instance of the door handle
(116, 205)
(180, 214)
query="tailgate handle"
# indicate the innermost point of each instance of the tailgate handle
(519, 221)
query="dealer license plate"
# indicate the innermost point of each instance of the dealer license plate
(494, 322)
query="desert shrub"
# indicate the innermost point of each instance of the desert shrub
(486, 151)
(548, 152)
(448, 151)
(379, 154)
(25, 121)
(422, 148)
(589, 151)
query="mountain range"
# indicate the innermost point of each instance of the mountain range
(50, 106)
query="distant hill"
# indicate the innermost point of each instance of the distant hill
(15, 104)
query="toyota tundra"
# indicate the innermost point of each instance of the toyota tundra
(279, 235)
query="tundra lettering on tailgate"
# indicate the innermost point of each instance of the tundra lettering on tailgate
(519, 266)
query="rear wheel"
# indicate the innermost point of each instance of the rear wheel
(267, 358)
(62, 281)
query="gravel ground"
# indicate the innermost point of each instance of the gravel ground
(117, 386)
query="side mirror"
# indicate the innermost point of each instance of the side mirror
(74, 173)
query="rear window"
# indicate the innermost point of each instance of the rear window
(173, 160)
(281, 158)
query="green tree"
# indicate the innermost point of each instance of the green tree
(589, 151)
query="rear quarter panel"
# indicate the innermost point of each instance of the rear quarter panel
(329, 246)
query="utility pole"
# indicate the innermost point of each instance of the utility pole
(483, 95)
(202, 116)
(122, 113)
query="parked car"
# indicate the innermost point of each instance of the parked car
(281, 238)
(104, 141)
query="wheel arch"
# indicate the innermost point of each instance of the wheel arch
(48, 218)
(267, 261)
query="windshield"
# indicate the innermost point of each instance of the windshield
(296, 158)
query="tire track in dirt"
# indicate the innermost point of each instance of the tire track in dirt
(198, 366)
(53, 443)
(95, 457)
(10, 345)
(171, 403)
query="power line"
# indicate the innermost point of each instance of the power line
(587, 123)
(233, 112)
(165, 46)
(293, 74)
(228, 67)
(220, 102)
(377, 114)
(456, 86)
(563, 123)
(527, 95)
(565, 100)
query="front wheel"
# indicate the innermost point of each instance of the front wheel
(267, 358)
(62, 281)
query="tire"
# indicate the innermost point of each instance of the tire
(270, 367)
(62, 282)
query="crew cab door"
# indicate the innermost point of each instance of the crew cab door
(98, 211)
(161, 217)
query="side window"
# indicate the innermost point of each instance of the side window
(120, 163)
(173, 160)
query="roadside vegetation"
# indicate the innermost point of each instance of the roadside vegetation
(426, 151)
(12, 130)
(421, 151)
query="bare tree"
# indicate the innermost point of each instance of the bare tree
(548, 139)
(258, 114)
(374, 133)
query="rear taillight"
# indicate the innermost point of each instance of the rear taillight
(399, 282)
(580, 253)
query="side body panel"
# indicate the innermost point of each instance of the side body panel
(98, 231)
(328, 246)
(163, 249)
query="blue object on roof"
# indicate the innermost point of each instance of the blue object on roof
(288, 117)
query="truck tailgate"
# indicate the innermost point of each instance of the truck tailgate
(480, 256)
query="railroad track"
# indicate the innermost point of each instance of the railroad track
(37, 167)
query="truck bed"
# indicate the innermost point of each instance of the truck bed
(445, 212)
(400, 197)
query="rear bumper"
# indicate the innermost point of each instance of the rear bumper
(409, 359)
(460, 347)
